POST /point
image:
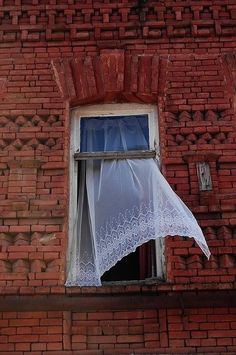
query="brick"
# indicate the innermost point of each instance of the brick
(79, 338)
(129, 338)
(100, 316)
(221, 333)
(101, 339)
(19, 338)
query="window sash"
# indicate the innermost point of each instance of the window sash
(131, 154)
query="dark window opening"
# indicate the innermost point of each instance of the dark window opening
(139, 265)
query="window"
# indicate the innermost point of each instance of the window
(119, 201)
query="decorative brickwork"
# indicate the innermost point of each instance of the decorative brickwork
(221, 266)
(58, 54)
(111, 76)
(25, 20)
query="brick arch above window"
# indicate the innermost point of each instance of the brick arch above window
(111, 76)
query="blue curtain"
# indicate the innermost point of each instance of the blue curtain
(114, 133)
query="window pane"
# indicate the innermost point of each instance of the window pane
(119, 133)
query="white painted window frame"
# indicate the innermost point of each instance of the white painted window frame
(110, 110)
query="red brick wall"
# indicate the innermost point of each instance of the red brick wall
(193, 46)
(208, 330)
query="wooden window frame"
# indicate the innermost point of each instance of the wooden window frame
(103, 110)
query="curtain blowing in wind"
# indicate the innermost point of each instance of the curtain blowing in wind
(122, 203)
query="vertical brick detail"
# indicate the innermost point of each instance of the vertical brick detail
(67, 330)
(63, 77)
(3, 87)
(164, 343)
(229, 68)
(112, 63)
(229, 65)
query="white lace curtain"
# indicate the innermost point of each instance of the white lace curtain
(122, 203)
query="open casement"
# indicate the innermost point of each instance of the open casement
(120, 204)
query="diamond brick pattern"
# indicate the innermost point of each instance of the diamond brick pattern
(22, 253)
(205, 138)
(208, 127)
(200, 116)
(199, 269)
(20, 239)
(21, 122)
(31, 144)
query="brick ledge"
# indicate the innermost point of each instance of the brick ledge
(89, 303)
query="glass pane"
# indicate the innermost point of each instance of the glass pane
(119, 133)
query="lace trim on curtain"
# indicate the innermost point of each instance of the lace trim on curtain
(133, 228)
(121, 236)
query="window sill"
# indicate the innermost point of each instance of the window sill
(149, 281)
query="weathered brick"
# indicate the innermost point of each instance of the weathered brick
(181, 58)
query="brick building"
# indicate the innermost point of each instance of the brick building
(177, 56)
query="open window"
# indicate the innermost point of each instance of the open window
(120, 204)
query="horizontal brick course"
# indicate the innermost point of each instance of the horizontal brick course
(31, 338)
